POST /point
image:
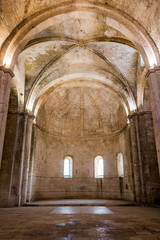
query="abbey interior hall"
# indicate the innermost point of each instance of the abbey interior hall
(79, 119)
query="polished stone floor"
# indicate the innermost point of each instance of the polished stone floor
(113, 220)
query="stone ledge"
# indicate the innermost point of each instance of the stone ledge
(7, 70)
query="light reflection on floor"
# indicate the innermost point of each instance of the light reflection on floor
(81, 210)
(115, 221)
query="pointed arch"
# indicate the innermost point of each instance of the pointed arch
(35, 23)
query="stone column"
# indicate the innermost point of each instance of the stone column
(141, 171)
(135, 157)
(5, 82)
(17, 156)
(154, 86)
(8, 160)
(27, 157)
(149, 160)
(30, 173)
(22, 160)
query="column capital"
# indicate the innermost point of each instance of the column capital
(152, 70)
(31, 117)
(7, 70)
(145, 113)
(132, 114)
(24, 114)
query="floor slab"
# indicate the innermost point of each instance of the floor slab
(52, 223)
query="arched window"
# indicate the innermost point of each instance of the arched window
(120, 166)
(68, 162)
(98, 167)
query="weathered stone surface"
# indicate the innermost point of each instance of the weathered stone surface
(80, 68)
(109, 220)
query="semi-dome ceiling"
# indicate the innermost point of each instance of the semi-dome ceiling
(80, 109)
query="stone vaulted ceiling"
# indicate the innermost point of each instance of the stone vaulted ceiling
(81, 109)
(64, 65)
(80, 45)
(98, 59)
(146, 12)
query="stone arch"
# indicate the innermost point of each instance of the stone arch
(146, 98)
(13, 100)
(39, 21)
(126, 99)
(121, 81)
(141, 89)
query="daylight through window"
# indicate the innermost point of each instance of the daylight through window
(120, 166)
(99, 167)
(68, 167)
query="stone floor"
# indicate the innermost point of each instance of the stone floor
(112, 221)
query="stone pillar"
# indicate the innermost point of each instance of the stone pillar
(154, 86)
(135, 157)
(5, 81)
(8, 160)
(22, 160)
(30, 173)
(27, 157)
(141, 171)
(149, 158)
(16, 171)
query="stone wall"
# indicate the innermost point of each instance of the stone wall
(48, 181)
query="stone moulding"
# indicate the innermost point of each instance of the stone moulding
(117, 132)
(152, 70)
(7, 70)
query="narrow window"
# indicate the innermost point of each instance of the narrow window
(120, 166)
(98, 166)
(68, 167)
